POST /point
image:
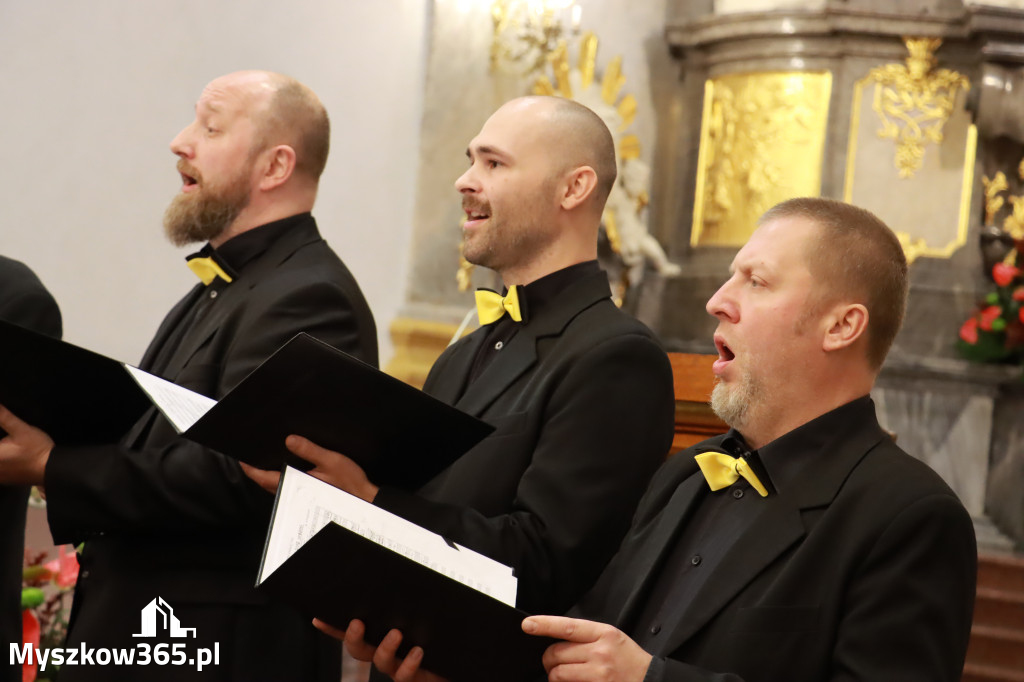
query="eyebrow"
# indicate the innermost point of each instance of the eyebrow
(487, 150)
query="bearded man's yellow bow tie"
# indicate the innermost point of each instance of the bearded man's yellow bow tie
(722, 470)
(491, 306)
(207, 269)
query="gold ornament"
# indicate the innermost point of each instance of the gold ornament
(914, 101)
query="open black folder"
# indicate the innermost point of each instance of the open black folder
(399, 435)
(77, 396)
(337, 557)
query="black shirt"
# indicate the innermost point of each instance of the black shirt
(722, 518)
(533, 298)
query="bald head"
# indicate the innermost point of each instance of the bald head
(575, 136)
(287, 112)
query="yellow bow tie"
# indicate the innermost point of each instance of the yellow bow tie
(207, 269)
(722, 470)
(490, 305)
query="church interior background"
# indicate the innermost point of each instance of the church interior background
(720, 109)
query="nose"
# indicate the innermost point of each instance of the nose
(467, 182)
(722, 303)
(182, 145)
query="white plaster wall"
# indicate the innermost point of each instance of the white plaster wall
(92, 93)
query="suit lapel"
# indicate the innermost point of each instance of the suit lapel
(447, 384)
(520, 353)
(656, 541)
(238, 291)
(170, 322)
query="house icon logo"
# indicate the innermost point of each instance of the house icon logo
(158, 618)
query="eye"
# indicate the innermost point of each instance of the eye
(493, 163)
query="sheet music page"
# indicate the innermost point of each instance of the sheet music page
(306, 504)
(182, 407)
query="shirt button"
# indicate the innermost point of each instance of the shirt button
(737, 493)
(695, 560)
(213, 294)
(655, 629)
(499, 345)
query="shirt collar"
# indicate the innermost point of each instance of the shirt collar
(783, 458)
(243, 248)
(536, 295)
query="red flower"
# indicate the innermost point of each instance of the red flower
(1020, 314)
(1018, 294)
(969, 331)
(988, 316)
(64, 568)
(1003, 274)
(30, 635)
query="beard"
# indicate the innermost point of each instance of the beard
(205, 214)
(508, 242)
(733, 403)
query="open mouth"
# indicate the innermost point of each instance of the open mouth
(724, 352)
(725, 355)
(189, 177)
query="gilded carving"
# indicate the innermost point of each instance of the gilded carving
(914, 100)
(762, 141)
(1013, 224)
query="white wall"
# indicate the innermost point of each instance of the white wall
(92, 93)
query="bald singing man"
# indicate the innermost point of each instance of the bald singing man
(580, 392)
(173, 532)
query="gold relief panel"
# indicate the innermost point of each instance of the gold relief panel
(762, 142)
(911, 151)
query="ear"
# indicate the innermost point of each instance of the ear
(846, 323)
(580, 184)
(277, 166)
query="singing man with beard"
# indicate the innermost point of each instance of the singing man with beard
(164, 517)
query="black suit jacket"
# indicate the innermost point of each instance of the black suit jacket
(865, 571)
(23, 301)
(162, 516)
(582, 400)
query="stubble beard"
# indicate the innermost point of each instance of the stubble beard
(204, 215)
(507, 243)
(735, 403)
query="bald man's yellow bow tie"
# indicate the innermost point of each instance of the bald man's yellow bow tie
(722, 470)
(491, 306)
(207, 269)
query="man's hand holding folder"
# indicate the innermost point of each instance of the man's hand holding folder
(24, 451)
(328, 466)
(590, 652)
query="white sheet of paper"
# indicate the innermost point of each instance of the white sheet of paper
(182, 407)
(306, 504)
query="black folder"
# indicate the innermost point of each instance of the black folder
(77, 396)
(398, 434)
(466, 635)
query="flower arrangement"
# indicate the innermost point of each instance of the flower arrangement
(46, 588)
(995, 333)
